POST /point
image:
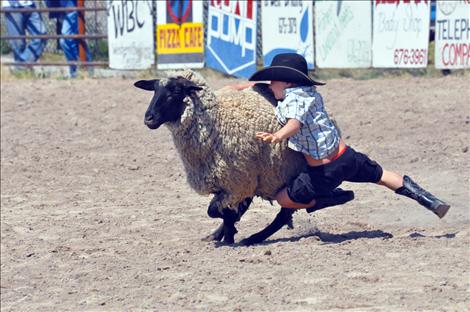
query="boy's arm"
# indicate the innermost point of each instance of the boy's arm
(292, 127)
(240, 86)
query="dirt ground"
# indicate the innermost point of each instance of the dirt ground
(96, 213)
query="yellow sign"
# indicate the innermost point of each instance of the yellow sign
(177, 39)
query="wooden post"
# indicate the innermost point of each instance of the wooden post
(81, 30)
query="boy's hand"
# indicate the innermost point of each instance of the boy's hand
(268, 137)
(290, 129)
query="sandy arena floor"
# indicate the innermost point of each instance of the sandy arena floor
(96, 213)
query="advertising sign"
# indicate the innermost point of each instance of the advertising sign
(231, 37)
(401, 33)
(287, 26)
(343, 34)
(452, 36)
(130, 34)
(179, 34)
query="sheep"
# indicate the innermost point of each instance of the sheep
(214, 134)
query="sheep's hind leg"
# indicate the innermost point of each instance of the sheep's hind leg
(284, 217)
(227, 228)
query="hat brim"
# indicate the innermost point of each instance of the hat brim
(284, 73)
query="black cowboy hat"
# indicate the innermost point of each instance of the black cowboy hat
(288, 67)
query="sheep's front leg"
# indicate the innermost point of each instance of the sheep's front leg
(230, 217)
(227, 228)
(215, 210)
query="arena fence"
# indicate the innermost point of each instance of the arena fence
(91, 28)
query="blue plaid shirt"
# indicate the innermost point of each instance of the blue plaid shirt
(318, 135)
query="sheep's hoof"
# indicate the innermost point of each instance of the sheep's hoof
(253, 239)
(213, 237)
(247, 242)
(290, 223)
(229, 234)
(217, 235)
(229, 240)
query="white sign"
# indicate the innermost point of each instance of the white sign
(452, 37)
(130, 34)
(401, 33)
(287, 26)
(343, 34)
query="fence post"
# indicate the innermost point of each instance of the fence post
(81, 30)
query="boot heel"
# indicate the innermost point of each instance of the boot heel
(441, 210)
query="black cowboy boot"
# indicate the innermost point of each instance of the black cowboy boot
(414, 191)
(335, 197)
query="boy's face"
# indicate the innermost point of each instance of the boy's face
(278, 88)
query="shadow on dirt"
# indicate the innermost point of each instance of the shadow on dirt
(327, 238)
(419, 235)
(340, 238)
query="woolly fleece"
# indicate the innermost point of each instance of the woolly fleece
(221, 155)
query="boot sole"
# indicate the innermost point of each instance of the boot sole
(441, 210)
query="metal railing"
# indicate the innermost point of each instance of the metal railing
(82, 35)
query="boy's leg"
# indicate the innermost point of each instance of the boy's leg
(302, 192)
(391, 180)
(334, 198)
(368, 170)
(285, 201)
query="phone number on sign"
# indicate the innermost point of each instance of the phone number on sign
(410, 56)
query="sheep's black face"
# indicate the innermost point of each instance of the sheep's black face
(167, 104)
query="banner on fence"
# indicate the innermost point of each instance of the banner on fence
(130, 33)
(401, 33)
(231, 37)
(452, 37)
(287, 26)
(343, 34)
(179, 34)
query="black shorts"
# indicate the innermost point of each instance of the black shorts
(351, 166)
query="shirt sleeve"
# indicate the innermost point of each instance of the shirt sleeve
(295, 108)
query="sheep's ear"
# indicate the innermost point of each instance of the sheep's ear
(190, 86)
(148, 85)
